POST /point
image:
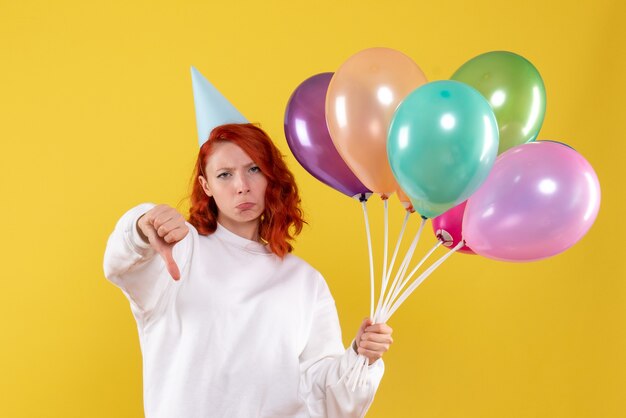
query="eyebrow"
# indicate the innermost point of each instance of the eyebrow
(232, 168)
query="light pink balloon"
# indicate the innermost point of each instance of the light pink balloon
(540, 199)
(448, 228)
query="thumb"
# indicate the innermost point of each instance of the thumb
(170, 263)
(366, 323)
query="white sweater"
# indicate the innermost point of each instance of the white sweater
(242, 334)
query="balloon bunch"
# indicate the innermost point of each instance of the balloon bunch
(462, 152)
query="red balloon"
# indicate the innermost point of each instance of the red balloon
(448, 228)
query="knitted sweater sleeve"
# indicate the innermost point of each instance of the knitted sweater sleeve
(323, 363)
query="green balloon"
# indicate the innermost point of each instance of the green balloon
(515, 91)
(442, 143)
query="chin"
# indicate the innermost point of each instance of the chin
(248, 217)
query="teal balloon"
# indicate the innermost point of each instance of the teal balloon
(442, 143)
(515, 91)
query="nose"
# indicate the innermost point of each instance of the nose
(243, 186)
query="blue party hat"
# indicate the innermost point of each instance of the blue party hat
(212, 108)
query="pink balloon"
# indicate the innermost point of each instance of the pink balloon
(448, 228)
(539, 199)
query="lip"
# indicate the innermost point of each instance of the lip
(245, 206)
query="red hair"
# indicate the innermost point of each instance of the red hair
(282, 219)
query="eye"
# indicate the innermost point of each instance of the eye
(223, 175)
(255, 169)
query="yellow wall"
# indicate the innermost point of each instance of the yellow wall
(96, 115)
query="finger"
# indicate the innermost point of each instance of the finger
(147, 220)
(172, 269)
(157, 243)
(374, 347)
(154, 213)
(379, 328)
(364, 324)
(167, 221)
(377, 338)
(176, 235)
(170, 263)
(153, 238)
(169, 226)
(161, 214)
(371, 356)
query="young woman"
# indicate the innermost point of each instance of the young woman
(230, 323)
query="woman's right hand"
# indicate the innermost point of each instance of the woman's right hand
(162, 227)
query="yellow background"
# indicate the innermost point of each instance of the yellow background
(96, 115)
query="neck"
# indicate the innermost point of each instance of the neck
(248, 230)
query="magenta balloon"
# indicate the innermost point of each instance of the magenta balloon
(540, 198)
(309, 140)
(448, 228)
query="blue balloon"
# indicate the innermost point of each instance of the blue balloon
(442, 143)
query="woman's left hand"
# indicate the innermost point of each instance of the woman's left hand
(373, 340)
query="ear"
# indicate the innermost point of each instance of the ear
(205, 186)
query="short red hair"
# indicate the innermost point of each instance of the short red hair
(282, 219)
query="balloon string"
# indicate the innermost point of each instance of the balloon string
(349, 370)
(386, 235)
(356, 372)
(364, 374)
(355, 369)
(420, 279)
(388, 275)
(359, 372)
(353, 372)
(408, 277)
(405, 263)
(369, 247)
(395, 252)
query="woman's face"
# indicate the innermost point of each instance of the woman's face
(238, 187)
